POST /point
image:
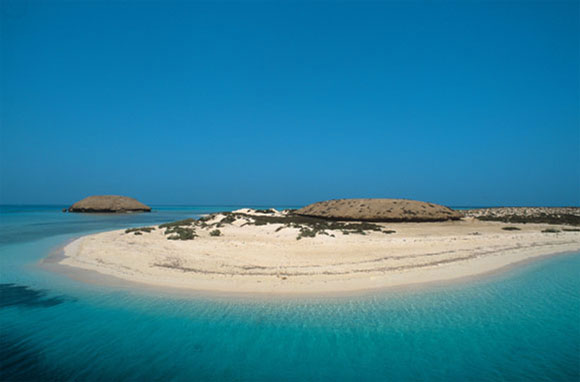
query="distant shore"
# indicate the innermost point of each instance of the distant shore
(246, 255)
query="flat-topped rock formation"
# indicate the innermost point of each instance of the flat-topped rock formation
(109, 204)
(379, 210)
(545, 215)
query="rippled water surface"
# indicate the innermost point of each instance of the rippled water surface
(520, 325)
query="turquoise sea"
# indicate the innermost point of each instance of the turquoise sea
(519, 325)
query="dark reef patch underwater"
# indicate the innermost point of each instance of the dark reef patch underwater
(23, 296)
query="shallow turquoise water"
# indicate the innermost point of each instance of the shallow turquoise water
(520, 325)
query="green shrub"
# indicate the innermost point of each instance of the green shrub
(180, 230)
(229, 219)
(215, 232)
(306, 232)
(180, 233)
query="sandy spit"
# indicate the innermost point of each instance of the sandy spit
(269, 260)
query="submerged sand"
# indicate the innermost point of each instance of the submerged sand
(270, 259)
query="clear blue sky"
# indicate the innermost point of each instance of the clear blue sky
(461, 103)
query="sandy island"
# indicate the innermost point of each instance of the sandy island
(253, 257)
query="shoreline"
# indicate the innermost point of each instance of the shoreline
(52, 263)
(276, 264)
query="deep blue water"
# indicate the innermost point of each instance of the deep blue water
(519, 325)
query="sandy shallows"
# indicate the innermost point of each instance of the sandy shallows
(270, 259)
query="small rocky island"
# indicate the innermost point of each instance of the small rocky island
(379, 210)
(109, 204)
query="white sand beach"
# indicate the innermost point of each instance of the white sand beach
(270, 259)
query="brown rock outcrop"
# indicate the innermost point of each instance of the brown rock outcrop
(109, 204)
(379, 210)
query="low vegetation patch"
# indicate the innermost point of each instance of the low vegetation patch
(139, 230)
(543, 218)
(571, 229)
(311, 227)
(306, 232)
(180, 230)
(551, 230)
(268, 211)
(307, 226)
(180, 233)
(511, 228)
(179, 223)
